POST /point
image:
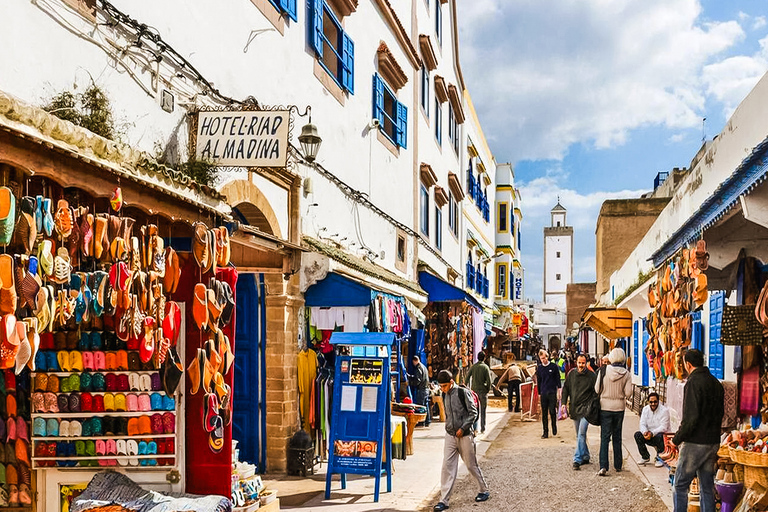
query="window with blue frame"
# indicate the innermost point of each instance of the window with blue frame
(425, 90)
(453, 214)
(438, 228)
(438, 122)
(470, 272)
(333, 47)
(478, 280)
(501, 281)
(392, 115)
(424, 210)
(287, 7)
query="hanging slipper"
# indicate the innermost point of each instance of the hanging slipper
(212, 267)
(214, 309)
(116, 199)
(228, 308)
(211, 411)
(24, 351)
(99, 236)
(172, 372)
(216, 436)
(45, 257)
(200, 306)
(172, 321)
(7, 215)
(8, 297)
(126, 228)
(147, 341)
(195, 371)
(39, 213)
(30, 288)
(702, 256)
(135, 255)
(61, 267)
(170, 270)
(86, 232)
(63, 221)
(9, 342)
(48, 222)
(201, 245)
(24, 233)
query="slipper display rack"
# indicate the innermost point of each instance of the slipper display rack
(119, 419)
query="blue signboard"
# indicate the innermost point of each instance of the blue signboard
(360, 420)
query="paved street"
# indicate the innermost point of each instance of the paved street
(520, 468)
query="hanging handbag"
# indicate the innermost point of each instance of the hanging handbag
(740, 326)
(593, 408)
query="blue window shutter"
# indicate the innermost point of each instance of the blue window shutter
(289, 8)
(402, 125)
(716, 300)
(316, 27)
(348, 63)
(378, 99)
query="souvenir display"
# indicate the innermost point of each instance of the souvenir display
(680, 289)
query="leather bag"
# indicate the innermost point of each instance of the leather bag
(740, 326)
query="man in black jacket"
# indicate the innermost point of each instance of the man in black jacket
(579, 387)
(699, 433)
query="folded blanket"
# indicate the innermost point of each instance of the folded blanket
(112, 488)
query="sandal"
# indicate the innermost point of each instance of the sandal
(61, 267)
(64, 219)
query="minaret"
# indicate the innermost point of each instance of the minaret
(558, 257)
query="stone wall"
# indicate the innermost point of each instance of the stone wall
(621, 225)
(578, 297)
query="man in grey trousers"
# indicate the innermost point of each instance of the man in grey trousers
(460, 415)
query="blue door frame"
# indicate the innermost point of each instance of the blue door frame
(646, 369)
(250, 404)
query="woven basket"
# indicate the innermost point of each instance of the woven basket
(758, 460)
(724, 452)
(755, 475)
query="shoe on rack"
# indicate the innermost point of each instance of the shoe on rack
(643, 462)
(576, 466)
(440, 507)
(483, 496)
(602, 472)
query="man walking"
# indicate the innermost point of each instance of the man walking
(547, 385)
(513, 377)
(480, 381)
(654, 422)
(579, 387)
(460, 414)
(699, 433)
(420, 383)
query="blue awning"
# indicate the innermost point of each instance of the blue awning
(440, 291)
(385, 339)
(337, 291)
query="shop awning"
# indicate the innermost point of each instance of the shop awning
(367, 274)
(610, 322)
(440, 291)
(337, 291)
(752, 171)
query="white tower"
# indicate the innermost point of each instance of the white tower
(558, 257)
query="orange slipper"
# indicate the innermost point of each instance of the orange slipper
(64, 220)
(99, 236)
(8, 297)
(7, 215)
(200, 306)
(214, 308)
(226, 248)
(194, 370)
(201, 245)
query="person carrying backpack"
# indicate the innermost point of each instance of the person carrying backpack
(460, 415)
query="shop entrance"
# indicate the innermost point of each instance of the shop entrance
(250, 408)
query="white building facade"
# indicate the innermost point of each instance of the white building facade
(558, 257)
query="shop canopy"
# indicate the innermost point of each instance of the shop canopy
(440, 291)
(612, 323)
(337, 291)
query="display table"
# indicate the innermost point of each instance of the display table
(412, 419)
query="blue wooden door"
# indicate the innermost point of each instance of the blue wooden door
(716, 364)
(249, 418)
(646, 369)
(635, 350)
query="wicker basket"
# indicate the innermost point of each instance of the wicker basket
(754, 475)
(758, 460)
(724, 452)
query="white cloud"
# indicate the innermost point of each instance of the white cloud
(677, 137)
(759, 23)
(538, 198)
(731, 79)
(545, 74)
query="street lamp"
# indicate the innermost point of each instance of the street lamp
(310, 141)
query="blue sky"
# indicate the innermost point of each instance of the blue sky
(590, 99)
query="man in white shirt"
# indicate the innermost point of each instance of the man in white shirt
(654, 422)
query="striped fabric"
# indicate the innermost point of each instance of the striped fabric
(110, 488)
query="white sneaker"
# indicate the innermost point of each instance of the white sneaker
(643, 462)
(659, 464)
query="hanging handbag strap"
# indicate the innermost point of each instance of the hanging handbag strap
(603, 370)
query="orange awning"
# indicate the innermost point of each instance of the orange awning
(610, 322)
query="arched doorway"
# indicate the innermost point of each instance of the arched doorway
(554, 342)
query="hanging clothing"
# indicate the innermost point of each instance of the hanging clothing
(354, 318)
(307, 370)
(478, 328)
(324, 319)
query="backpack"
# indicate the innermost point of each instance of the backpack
(463, 399)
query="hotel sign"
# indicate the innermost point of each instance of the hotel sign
(246, 138)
